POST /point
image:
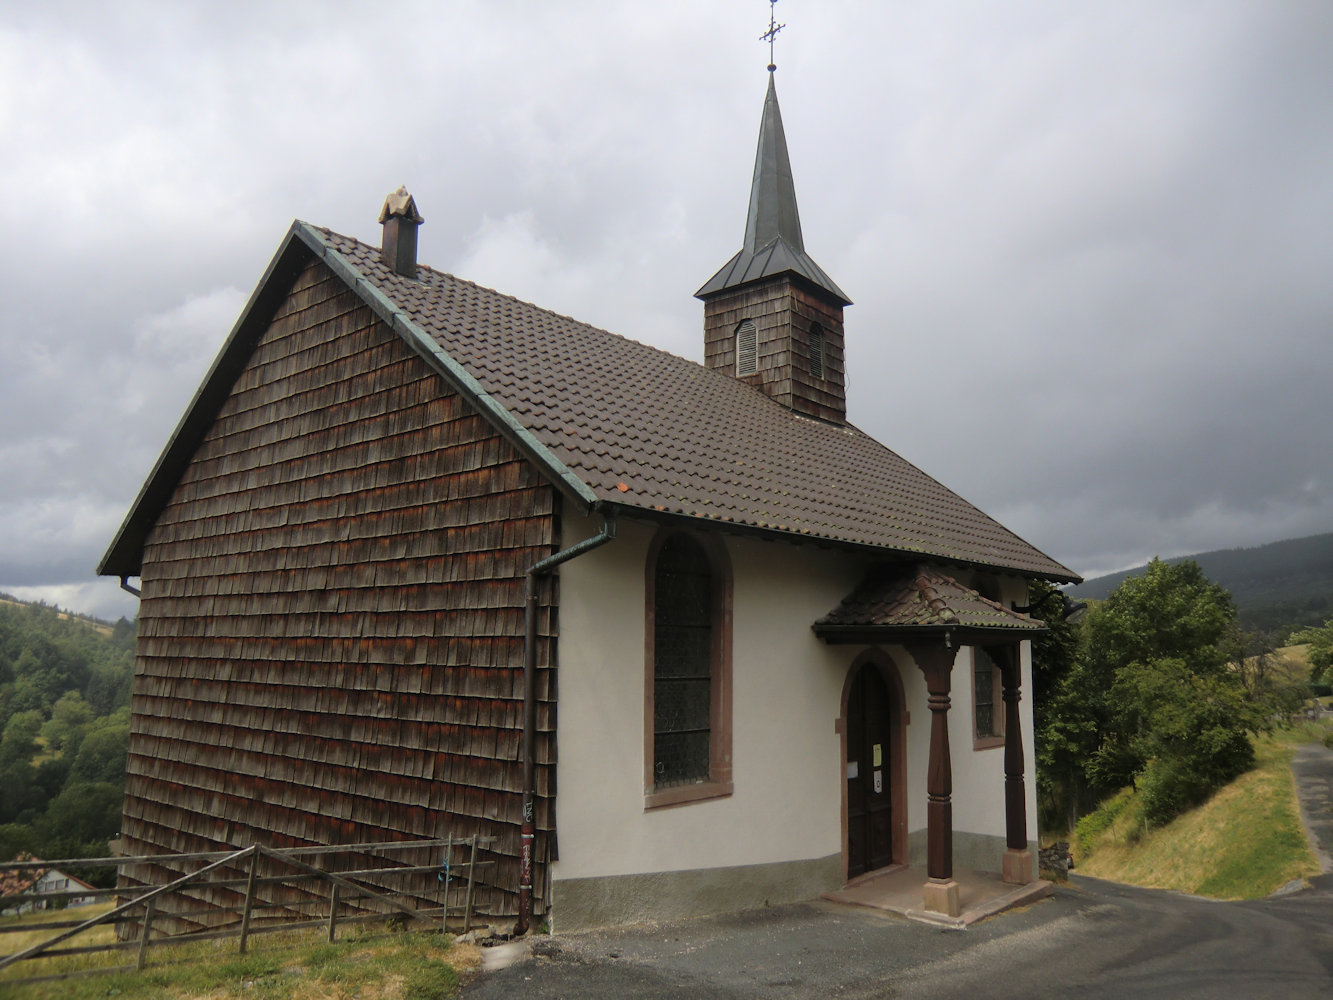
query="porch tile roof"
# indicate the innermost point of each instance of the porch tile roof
(888, 599)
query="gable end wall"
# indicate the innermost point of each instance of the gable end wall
(331, 625)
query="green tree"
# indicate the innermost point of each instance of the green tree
(102, 755)
(69, 720)
(22, 798)
(18, 743)
(1065, 731)
(1320, 653)
(1157, 674)
(81, 820)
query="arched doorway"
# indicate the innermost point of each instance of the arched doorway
(875, 794)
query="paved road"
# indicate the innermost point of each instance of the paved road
(1093, 939)
(1313, 767)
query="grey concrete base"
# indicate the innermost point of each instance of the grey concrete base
(585, 903)
(977, 851)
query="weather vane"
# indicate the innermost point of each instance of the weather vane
(772, 32)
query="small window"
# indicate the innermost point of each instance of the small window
(747, 348)
(817, 351)
(987, 701)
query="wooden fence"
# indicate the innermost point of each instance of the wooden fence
(269, 889)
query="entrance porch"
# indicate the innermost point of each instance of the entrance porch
(897, 889)
(930, 615)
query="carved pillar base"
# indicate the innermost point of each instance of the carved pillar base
(1017, 866)
(941, 896)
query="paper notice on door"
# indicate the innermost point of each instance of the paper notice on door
(878, 753)
(879, 782)
(853, 769)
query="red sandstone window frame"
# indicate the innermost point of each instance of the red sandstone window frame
(719, 781)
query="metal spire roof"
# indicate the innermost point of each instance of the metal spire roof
(773, 243)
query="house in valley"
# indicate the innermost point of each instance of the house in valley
(33, 885)
(422, 559)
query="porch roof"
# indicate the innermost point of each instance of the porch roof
(891, 606)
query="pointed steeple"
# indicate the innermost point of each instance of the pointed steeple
(772, 318)
(773, 243)
(773, 210)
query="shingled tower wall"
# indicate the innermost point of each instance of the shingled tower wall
(784, 311)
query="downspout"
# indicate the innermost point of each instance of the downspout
(528, 830)
(125, 586)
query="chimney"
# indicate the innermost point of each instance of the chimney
(400, 219)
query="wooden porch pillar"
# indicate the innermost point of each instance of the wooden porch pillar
(1017, 865)
(941, 891)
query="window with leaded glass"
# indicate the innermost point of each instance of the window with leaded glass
(683, 612)
(988, 708)
(687, 689)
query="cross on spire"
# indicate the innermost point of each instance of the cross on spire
(772, 33)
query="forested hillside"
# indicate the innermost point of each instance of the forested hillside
(1277, 588)
(64, 728)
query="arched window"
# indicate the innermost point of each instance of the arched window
(688, 711)
(816, 350)
(747, 348)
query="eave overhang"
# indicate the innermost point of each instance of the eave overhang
(899, 635)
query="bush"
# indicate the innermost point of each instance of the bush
(1174, 783)
(1093, 825)
(1328, 740)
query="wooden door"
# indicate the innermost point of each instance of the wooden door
(869, 796)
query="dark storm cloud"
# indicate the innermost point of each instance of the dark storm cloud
(1088, 244)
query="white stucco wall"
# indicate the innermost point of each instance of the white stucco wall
(786, 692)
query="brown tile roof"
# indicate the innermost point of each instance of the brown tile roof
(646, 429)
(616, 422)
(889, 600)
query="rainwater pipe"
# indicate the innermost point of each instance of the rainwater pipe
(527, 834)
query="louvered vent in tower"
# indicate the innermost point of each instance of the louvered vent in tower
(817, 351)
(747, 348)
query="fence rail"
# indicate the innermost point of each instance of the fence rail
(355, 894)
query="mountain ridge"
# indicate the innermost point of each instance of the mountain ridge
(1278, 587)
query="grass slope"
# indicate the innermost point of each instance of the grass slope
(1244, 843)
(365, 964)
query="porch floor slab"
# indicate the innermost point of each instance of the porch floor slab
(899, 890)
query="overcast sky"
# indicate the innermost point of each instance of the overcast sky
(1090, 245)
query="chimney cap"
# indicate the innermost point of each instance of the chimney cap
(400, 203)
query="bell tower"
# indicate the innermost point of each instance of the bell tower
(772, 317)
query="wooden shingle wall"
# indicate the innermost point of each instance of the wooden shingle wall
(331, 626)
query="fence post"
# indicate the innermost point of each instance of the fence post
(333, 910)
(444, 877)
(149, 909)
(471, 880)
(249, 895)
